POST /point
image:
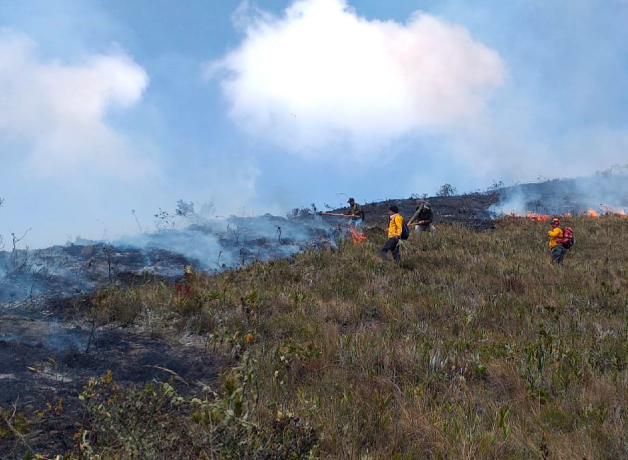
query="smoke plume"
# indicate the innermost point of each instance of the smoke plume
(603, 192)
(84, 265)
(320, 75)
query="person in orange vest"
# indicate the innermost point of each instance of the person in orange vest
(395, 227)
(557, 250)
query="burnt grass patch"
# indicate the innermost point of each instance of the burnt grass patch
(48, 359)
(475, 347)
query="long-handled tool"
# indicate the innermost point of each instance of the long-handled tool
(349, 216)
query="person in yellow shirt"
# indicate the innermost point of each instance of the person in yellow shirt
(395, 227)
(557, 250)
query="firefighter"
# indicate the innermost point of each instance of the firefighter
(423, 217)
(355, 209)
(557, 250)
(395, 227)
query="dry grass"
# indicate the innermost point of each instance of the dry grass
(475, 348)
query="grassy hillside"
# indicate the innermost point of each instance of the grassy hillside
(475, 348)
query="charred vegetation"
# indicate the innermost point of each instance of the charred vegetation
(474, 347)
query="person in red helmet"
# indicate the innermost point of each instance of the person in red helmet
(557, 250)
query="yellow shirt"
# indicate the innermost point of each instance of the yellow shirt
(555, 235)
(395, 226)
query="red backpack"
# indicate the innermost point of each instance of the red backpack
(568, 238)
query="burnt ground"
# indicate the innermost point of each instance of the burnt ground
(471, 210)
(48, 349)
(601, 192)
(44, 351)
(47, 353)
(43, 359)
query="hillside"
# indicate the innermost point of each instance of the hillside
(475, 347)
(471, 211)
(603, 192)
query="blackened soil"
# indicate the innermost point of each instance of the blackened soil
(43, 359)
(471, 210)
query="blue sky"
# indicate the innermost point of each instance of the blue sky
(112, 106)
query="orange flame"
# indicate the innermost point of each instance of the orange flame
(356, 235)
(608, 210)
(537, 217)
(612, 210)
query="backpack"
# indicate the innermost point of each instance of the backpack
(405, 231)
(568, 238)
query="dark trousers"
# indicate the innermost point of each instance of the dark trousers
(558, 254)
(392, 244)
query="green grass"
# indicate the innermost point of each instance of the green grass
(474, 348)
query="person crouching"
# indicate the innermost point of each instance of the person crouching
(395, 227)
(423, 218)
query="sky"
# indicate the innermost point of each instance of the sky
(111, 110)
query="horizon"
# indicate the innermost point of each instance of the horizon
(597, 196)
(112, 112)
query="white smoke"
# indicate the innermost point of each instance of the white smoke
(58, 110)
(606, 191)
(320, 75)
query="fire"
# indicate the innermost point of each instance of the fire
(356, 235)
(537, 217)
(607, 211)
(612, 210)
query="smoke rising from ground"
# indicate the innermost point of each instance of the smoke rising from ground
(603, 192)
(81, 267)
(464, 93)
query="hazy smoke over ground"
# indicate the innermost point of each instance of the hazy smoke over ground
(62, 271)
(604, 192)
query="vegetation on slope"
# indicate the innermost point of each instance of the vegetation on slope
(475, 347)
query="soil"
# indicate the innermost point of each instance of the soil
(49, 351)
(47, 354)
(471, 210)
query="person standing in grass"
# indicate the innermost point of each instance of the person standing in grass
(355, 209)
(556, 235)
(395, 227)
(422, 218)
